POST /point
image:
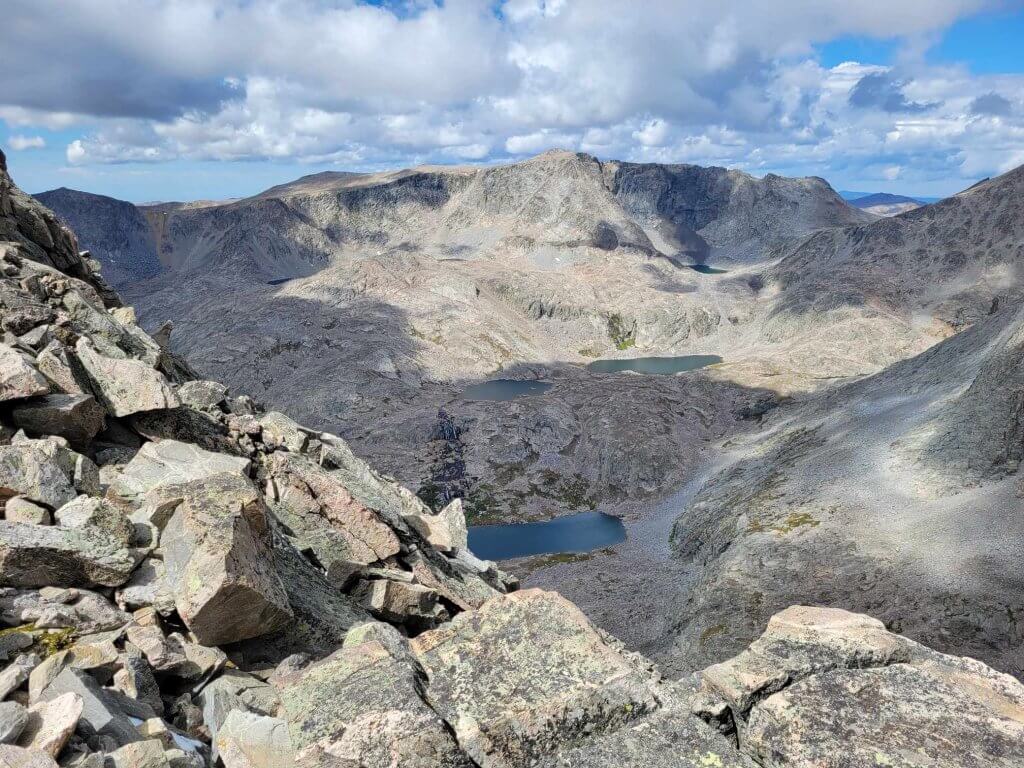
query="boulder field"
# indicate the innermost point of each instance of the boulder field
(187, 580)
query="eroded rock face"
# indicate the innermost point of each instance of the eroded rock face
(125, 386)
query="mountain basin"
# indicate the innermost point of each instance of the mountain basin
(505, 389)
(581, 532)
(658, 366)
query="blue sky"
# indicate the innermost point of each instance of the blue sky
(222, 98)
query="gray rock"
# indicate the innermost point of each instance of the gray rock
(125, 386)
(102, 712)
(136, 680)
(18, 378)
(51, 723)
(38, 555)
(21, 510)
(232, 690)
(15, 674)
(40, 470)
(85, 611)
(446, 531)
(169, 462)
(279, 431)
(145, 588)
(526, 672)
(217, 554)
(12, 641)
(13, 717)
(254, 741)
(77, 418)
(64, 371)
(17, 757)
(140, 754)
(365, 701)
(399, 602)
(202, 394)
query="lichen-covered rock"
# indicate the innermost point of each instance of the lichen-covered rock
(281, 432)
(43, 555)
(823, 688)
(13, 717)
(18, 378)
(41, 470)
(446, 531)
(20, 510)
(202, 393)
(17, 757)
(526, 672)
(247, 740)
(364, 703)
(169, 462)
(125, 386)
(219, 562)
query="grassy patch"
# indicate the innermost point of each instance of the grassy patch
(790, 523)
(711, 632)
(623, 336)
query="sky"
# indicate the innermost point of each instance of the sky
(150, 100)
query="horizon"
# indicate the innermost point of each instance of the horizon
(219, 100)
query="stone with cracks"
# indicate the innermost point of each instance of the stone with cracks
(170, 462)
(365, 702)
(103, 711)
(43, 555)
(525, 673)
(18, 379)
(281, 432)
(13, 717)
(40, 470)
(219, 563)
(125, 386)
(77, 418)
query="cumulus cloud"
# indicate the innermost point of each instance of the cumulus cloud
(19, 143)
(716, 81)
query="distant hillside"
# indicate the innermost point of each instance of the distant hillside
(115, 231)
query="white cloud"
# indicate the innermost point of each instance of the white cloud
(19, 143)
(709, 81)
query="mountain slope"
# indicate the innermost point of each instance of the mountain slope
(885, 204)
(113, 230)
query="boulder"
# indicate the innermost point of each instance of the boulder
(398, 601)
(63, 370)
(17, 757)
(202, 393)
(103, 711)
(15, 674)
(13, 717)
(825, 688)
(18, 378)
(233, 690)
(140, 754)
(42, 471)
(246, 740)
(365, 702)
(77, 418)
(527, 672)
(21, 510)
(446, 531)
(219, 562)
(51, 723)
(43, 555)
(325, 515)
(169, 462)
(50, 608)
(136, 679)
(125, 386)
(281, 432)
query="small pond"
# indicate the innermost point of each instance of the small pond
(505, 389)
(280, 280)
(581, 532)
(654, 365)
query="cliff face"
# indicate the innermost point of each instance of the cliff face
(187, 580)
(114, 231)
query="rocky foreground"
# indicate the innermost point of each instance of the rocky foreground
(188, 581)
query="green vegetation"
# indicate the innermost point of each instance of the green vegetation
(622, 337)
(711, 632)
(590, 352)
(790, 523)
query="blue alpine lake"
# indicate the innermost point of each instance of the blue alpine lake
(658, 366)
(706, 269)
(505, 389)
(581, 532)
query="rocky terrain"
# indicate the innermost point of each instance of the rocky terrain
(187, 580)
(373, 301)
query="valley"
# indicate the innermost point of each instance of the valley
(470, 332)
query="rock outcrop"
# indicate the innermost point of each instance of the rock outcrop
(187, 582)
